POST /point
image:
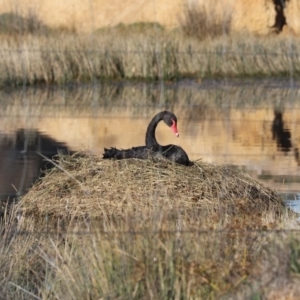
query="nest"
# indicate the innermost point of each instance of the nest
(87, 186)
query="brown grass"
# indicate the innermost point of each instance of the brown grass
(14, 24)
(203, 23)
(64, 58)
(140, 229)
(144, 190)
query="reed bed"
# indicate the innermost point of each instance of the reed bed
(159, 55)
(143, 229)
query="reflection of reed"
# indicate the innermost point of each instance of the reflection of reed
(218, 121)
(190, 99)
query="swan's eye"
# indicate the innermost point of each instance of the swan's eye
(174, 128)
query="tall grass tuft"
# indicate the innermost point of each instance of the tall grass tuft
(14, 24)
(202, 23)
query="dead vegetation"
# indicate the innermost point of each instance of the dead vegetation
(144, 189)
(203, 47)
(93, 228)
(204, 23)
(63, 58)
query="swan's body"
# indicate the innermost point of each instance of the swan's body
(152, 148)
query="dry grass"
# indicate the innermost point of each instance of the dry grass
(138, 229)
(13, 24)
(148, 192)
(202, 23)
(65, 58)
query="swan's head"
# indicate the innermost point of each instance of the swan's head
(171, 120)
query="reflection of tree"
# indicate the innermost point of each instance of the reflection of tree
(280, 134)
(283, 136)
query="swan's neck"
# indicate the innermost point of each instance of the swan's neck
(150, 133)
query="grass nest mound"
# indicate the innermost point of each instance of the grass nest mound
(126, 190)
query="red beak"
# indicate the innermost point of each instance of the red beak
(174, 128)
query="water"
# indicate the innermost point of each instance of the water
(23, 154)
(249, 125)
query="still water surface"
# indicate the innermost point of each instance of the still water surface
(249, 125)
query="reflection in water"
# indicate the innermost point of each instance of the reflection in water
(227, 122)
(283, 136)
(294, 205)
(20, 162)
(293, 201)
(297, 155)
(280, 134)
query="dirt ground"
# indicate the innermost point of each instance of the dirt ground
(257, 16)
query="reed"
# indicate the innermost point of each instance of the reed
(64, 58)
(203, 22)
(142, 229)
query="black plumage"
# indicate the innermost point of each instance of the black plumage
(153, 149)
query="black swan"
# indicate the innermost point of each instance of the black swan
(152, 148)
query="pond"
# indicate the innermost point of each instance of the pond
(251, 125)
